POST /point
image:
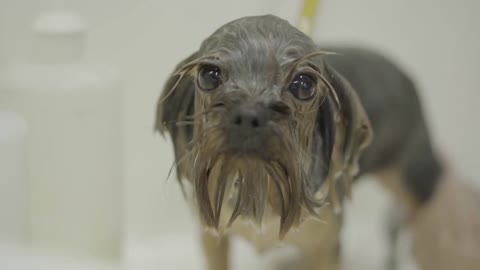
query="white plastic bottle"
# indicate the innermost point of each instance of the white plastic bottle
(74, 114)
(14, 186)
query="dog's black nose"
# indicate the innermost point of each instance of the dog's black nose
(249, 117)
(247, 130)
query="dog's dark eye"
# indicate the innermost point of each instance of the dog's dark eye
(209, 77)
(302, 86)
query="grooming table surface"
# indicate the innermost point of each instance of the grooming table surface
(363, 243)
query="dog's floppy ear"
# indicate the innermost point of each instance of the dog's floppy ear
(327, 129)
(175, 103)
(357, 131)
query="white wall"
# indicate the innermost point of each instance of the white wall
(437, 40)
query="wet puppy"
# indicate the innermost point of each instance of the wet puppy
(270, 130)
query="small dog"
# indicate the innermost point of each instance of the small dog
(270, 130)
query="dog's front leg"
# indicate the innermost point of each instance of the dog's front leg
(319, 243)
(321, 257)
(216, 251)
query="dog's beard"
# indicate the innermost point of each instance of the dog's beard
(275, 176)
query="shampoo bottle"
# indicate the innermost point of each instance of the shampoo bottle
(74, 114)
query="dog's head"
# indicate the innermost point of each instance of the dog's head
(255, 116)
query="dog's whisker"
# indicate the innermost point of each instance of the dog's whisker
(332, 90)
(184, 157)
(197, 115)
(314, 109)
(184, 123)
(289, 198)
(195, 160)
(180, 122)
(305, 58)
(281, 197)
(238, 202)
(316, 53)
(220, 191)
(259, 200)
(181, 74)
(203, 198)
(177, 163)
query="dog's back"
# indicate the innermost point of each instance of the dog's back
(401, 142)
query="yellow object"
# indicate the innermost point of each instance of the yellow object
(307, 18)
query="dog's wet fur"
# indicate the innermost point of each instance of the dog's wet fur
(292, 162)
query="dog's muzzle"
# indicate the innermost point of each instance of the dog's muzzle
(248, 129)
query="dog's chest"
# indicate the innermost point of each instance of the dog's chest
(311, 232)
(263, 237)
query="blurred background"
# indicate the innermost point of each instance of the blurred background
(130, 47)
